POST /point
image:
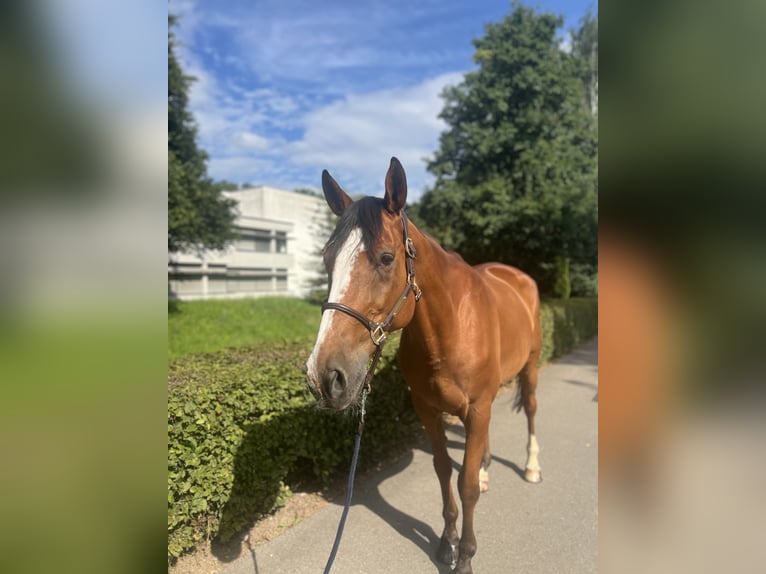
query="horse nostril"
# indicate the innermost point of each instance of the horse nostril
(335, 383)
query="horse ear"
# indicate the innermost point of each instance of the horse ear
(396, 187)
(336, 198)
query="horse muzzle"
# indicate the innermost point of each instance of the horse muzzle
(332, 388)
(313, 387)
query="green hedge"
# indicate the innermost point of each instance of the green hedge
(566, 323)
(241, 421)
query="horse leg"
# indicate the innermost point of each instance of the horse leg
(484, 471)
(432, 421)
(476, 446)
(527, 399)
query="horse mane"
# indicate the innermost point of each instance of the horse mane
(365, 214)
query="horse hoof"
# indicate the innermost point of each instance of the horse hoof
(533, 475)
(447, 553)
(483, 480)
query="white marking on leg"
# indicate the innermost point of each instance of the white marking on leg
(532, 451)
(341, 275)
(483, 480)
(532, 472)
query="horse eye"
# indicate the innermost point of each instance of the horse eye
(387, 259)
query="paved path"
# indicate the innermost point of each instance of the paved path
(395, 522)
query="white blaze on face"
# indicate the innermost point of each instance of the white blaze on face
(341, 278)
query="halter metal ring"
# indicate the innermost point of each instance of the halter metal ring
(378, 335)
(418, 292)
(409, 247)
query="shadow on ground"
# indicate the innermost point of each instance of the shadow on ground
(405, 525)
(299, 446)
(458, 429)
(410, 528)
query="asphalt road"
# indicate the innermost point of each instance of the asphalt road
(395, 522)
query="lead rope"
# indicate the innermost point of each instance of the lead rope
(354, 459)
(379, 339)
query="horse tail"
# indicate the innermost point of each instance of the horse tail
(518, 401)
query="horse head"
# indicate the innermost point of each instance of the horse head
(368, 259)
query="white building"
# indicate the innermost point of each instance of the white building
(275, 252)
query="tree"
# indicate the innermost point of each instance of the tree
(199, 216)
(322, 225)
(226, 185)
(585, 45)
(516, 168)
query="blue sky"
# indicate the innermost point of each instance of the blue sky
(286, 88)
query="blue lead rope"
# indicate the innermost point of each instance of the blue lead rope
(349, 488)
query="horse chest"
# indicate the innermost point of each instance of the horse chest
(448, 382)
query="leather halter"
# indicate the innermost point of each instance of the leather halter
(379, 331)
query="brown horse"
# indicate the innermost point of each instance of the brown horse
(473, 329)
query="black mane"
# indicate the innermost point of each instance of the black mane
(365, 214)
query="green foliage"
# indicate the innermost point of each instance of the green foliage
(585, 45)
(562, 286)
(214, 325)
(566, 324)
(226, 185)
(198, 215)
(241, 421)
(322, 226)
(584, 280)
(517, 167)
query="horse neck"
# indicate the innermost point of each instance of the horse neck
(434, 268)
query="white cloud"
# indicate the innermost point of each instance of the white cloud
(355, 137)
(244, 132)
(243, 167)
(251, 141)
(262, 130)
(319, 44)
(235, 119)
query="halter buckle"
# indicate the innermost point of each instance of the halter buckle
(378, 335)
(410, 248)
(418, 292)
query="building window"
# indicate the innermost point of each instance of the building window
(281, 242)
(263, 242)
(185, 279)
(216, 284)
(258, 240)
(248, 284)
(244, 244)
(181, 285)
(249, 280)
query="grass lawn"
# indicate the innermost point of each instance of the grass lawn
(209, 326)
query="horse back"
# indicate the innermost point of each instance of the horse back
(504, 280)
(516, 299)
